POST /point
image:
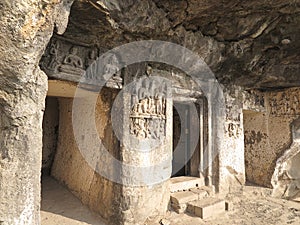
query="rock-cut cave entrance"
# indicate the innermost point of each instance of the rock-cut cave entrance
(59, 201)
(190, 136)
(188, 139)
(181, 165)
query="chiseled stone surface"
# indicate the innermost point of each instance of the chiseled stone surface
(183, 197)
(72, 169)
(247, 43)
(185, 183)
(146, 192)
(252, 205)
(205, 208)
(286, 177)
(202, 193)
(229, 167)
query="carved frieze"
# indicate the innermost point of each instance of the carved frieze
(65, 60)
(148, 109)
(53, 62)
(286, 103)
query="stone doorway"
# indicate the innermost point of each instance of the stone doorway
(188, 133)
(181, 137)
(66, 172)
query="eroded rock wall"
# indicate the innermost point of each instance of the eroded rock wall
(250, 44)
(268, 134)
(25, 29)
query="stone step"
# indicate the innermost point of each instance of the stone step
(185, 183)
(201, 192)
(207, 207)
(180, 199)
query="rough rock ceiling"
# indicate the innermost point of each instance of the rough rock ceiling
(255, 44)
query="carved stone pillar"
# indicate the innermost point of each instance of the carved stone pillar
(146, 149)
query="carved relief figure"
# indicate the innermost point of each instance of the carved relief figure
(143, 91)
(151, 108)
(92, 56)
(53, 52)
(148, 104)
(72, 63)
(142, 130)
(111, 72)
(159, 103)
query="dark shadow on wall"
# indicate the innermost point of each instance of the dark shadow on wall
(50, 133)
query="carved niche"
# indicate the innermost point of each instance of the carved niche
(66, 60)
(148, 109)
(53, 61)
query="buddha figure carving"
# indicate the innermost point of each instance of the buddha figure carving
(72, 63)
(111, 72)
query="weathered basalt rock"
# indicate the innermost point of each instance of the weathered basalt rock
(247, 43)
(26, 27)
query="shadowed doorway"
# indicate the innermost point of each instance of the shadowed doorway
(188, 140)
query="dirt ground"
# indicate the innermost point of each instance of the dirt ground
(250, 206)
(61, 207)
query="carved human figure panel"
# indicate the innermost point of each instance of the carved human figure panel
(112, 72)
(148, 104)
(53, 52)
(72, 63)
(92, 57)
(72, 59)
(64, 60)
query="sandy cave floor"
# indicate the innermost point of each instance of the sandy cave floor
(61, 207)
(250, 206)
